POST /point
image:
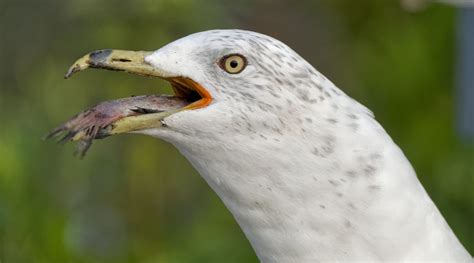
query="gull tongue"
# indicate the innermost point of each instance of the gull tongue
(112, 117)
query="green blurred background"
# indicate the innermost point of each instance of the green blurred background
(135, 198)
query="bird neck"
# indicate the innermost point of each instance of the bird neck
(292, 212)
(336, 197)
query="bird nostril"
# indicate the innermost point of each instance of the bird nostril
(121, 60)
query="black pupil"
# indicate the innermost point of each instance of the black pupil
(234, 63)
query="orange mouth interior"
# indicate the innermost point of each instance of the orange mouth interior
(191, 90)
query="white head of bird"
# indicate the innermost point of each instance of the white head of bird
(306, 171)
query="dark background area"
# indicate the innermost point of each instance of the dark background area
(135, 198)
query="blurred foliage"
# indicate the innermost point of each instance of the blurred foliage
(134, 198)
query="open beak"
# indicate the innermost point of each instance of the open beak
(128, 114)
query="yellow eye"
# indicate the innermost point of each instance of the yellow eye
(233, 63)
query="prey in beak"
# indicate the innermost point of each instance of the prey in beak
(127, 114)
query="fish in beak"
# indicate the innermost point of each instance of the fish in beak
(128, 114)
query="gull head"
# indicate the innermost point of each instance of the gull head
(240, 85)
(256, 87)
(243, 72)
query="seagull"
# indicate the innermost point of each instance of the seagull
(307, 172)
